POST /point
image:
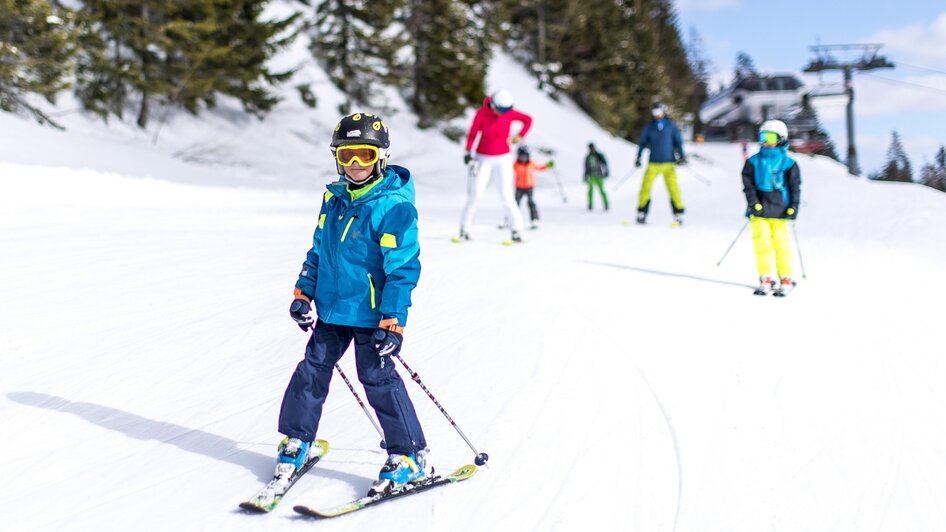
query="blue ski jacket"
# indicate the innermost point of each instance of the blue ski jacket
(663, 138)
(364, 260)
(771, 178)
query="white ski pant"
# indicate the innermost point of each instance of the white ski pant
(485, 168)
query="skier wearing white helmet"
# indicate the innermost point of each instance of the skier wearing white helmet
(493, 158)
(772, 185)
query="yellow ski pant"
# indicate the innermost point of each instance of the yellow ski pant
(773, 248)
(669, 172)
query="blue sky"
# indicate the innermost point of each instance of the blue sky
(778, 36)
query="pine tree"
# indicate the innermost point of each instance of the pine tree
(180, 53)
(700, 68)
(449, 54)
(353, 42)
(613, 58)
(745, 67)
(36, 47)
(897, 167)
(934, 174)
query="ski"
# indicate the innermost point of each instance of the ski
(463, 473)
(268, 498)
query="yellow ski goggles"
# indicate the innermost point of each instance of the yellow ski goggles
(365, 154)
(768, 137)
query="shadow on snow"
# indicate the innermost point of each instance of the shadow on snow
(187, 439)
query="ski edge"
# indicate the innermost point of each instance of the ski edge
(460, 474)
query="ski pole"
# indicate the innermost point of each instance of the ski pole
(699, 177)
(733, 243)
(362, 404)
(480, 458)
(561, 189)
(798, 245)
(624, 179)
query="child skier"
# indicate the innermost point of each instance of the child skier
(358, 275)
(772, 184)
(525, 169)
(663, 138)
(492, 124)
(596, 171)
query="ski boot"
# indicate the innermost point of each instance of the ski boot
(463, 237)
(516, 237)
(785, 286)
(535, 225)
(766, 285)
(293, 453)
(641, 217)
(398, 470)
(677, 220)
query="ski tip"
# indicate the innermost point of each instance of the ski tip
(250, 507)
(456, 240)
(305, 510)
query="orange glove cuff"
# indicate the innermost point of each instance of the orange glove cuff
(390, 324)
(299, 295)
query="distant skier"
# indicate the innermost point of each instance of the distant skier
(663, 138)
(359, 274)
(493, 158)
(596, 171)
(525, 169)
(772, 184)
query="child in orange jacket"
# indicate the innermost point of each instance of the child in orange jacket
(525, 168)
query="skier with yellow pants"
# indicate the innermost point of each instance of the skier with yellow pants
(772, 185)
(663, 138)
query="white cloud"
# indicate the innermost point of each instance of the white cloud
(874, 96)
(917, 44)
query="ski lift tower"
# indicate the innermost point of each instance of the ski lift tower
(869, 59)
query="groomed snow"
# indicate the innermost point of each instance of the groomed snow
(618, 379)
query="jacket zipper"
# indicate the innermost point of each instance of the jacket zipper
(347, 227)
(371, 287)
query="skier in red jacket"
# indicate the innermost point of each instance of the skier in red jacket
(493, 158)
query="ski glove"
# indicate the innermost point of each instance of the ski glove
(387, 338)
(467, 157)
(299, 310)
(791, 213)
(637, 163)
(756, 210)
(682, 161)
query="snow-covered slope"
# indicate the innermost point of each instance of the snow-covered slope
(618, 379)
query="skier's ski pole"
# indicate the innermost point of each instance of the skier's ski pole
(733, 243)
(699, 177)
(362, 404)
(480, 458)
(561, 189)
(624, 180)
(798, 245)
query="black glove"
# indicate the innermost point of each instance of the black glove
(299, 310)
(682, 161)
(387, 343)
(791, 213)
(467, 157)
(637, 163)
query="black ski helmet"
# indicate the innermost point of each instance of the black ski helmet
(363, 128)
(523, 150)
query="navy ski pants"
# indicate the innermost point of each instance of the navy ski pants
(308, 388)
